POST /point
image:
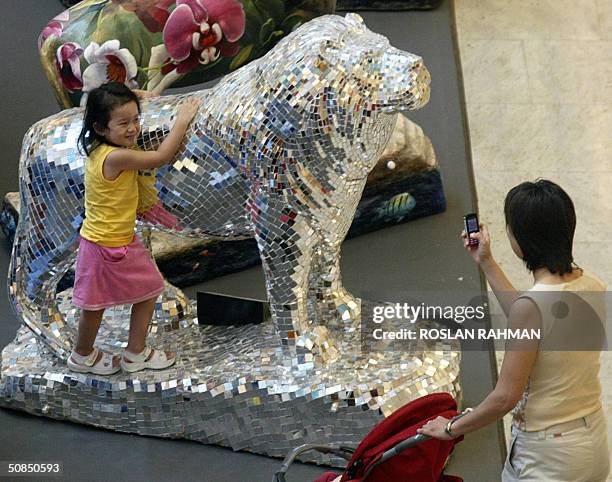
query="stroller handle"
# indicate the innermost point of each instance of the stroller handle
(400, 447)
(345, 453)
(340, 451)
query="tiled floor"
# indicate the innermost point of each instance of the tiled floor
(538, 85)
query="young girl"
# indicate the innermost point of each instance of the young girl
(113, 267)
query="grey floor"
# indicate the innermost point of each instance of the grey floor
(421, 255)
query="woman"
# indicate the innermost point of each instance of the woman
(558, 428)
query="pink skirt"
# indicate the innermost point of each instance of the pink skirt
(106, 276)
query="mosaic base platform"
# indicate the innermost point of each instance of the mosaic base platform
(212, 395)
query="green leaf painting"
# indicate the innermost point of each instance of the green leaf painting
(274, 9)
(241, 58)
(129, 30)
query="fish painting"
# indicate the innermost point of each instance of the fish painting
(397, 208)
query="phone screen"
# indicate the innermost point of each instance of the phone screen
(472, 224)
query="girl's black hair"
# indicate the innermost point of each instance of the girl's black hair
(542, 219)
(100, 103)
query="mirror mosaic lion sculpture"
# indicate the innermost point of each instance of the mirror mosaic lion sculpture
(279, 150)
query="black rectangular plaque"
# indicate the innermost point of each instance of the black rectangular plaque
(218, 309)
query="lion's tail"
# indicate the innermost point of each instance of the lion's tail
(30, 264)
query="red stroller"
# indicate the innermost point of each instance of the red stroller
(392, 451)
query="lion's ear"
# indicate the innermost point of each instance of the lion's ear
(355, 21)
(329, 51)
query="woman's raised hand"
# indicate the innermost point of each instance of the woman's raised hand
(482, 252)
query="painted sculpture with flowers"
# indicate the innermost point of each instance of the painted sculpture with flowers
(154, 44)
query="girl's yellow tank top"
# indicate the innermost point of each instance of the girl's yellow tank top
(110, 206)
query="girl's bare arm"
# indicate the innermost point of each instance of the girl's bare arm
(121, 159)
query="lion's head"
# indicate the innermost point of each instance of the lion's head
(342, 53)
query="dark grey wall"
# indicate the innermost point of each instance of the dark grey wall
(25, 94)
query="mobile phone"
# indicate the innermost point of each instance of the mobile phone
(471, 224)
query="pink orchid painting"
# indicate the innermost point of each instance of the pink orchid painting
(199, 31)
(69, 66)
(54, 27)
(152, 13)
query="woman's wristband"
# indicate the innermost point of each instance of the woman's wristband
(449, 425)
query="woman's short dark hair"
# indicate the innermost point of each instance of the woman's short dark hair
(100, 103)
(542, 219)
